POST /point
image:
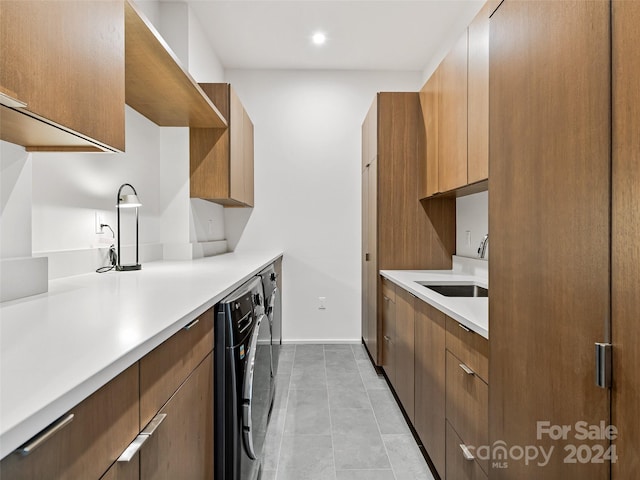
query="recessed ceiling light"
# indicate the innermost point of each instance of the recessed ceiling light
(319, 38)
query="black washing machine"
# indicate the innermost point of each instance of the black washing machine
(242, 384)
(273, 310)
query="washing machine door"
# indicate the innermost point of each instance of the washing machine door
(256, 390)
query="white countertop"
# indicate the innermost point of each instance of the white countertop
(473, 313)
(59, 347)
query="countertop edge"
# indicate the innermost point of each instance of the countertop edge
(30, 426)
(434, 302)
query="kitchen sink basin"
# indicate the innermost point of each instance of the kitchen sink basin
(457, 290)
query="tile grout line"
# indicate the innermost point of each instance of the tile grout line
(393, 471)
(286, 409)
(333, 450)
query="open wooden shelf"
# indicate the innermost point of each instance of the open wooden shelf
(156, 84)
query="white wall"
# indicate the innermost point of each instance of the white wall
(68, 188)
(15, 201)
(472, 215)
(307, 190)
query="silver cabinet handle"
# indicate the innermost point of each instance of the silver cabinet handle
(465, 328)
(387, 338)
(144, 435)
(466, 453)
(192, 324)
(9, 101)
(45, 435)
(466, 369)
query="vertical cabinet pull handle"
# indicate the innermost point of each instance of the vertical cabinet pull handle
(45, 435)
(466, 453)
(144, 435)
(192, 324)
(466, 369)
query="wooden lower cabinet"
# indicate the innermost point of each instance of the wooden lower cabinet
(429, 416)
(124, 470)
(182, 446)
(467, 405)
(388, 351)
(166, 367)
(102, 426)
(175, 379)
(404, 347)
(459, 467)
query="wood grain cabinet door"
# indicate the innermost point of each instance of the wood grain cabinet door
(430, 377)
(549, 219)
(387, 348)
(100, 428)
(478, 96)
(460, 467)
(405, 332)
(625, 236)
(452, 118)
(429, 101)
(65, 60)
(182, 446)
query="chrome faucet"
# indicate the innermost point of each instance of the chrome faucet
(482, 249)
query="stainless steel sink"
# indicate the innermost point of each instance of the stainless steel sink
(457, 290)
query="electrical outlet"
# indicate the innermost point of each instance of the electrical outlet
(98, 223)
(468, 232)
(322, 303)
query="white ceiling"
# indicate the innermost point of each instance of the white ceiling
(361, 34)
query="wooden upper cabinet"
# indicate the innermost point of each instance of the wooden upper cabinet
(478, 96)
(62, 78)
(452, 118)
(222, 159)
(429, 94)
(157, 85)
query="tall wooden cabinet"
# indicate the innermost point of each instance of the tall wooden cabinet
(222, 159)
(62, 75)
(397, 233)
(549, 220)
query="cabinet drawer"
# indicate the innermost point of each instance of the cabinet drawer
(467, 405)
(166, 367)
(470, 347)
(102, 427)
(388, 289)
(459, 467)
(182, 446)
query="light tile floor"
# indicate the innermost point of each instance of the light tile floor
(334, 418)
